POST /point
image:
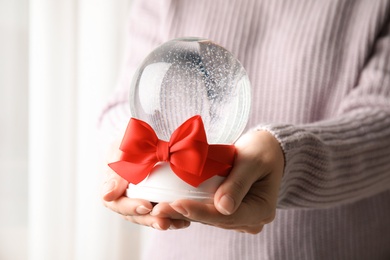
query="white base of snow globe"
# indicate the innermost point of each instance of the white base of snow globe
(163, 185)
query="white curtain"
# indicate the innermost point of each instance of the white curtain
(13, 129)
(67, 63)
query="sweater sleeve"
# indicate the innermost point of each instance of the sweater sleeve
(347, 157)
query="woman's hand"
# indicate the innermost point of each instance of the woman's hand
(134, 210)
(246, 200)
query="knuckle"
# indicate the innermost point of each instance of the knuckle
(129, 218)
(238, 186)
(269, 208)
(124, 212)
(271, 217)
(229, 222)
(255, 230)
(226, 223)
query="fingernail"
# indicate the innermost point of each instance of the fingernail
(180, 209)
(226, 205)
(186, 224)
(172, 227)
(109, 186)
(142, 210)
(156, 226)
(155, 211)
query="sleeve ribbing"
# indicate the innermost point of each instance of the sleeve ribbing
(347, 157)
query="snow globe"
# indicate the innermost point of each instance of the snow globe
(192, 95)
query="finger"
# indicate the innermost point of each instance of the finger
(251, 230)
(197, 211)
(114, 187)
(179, 224)
(158, 223)
(206, 214)
(129, 207)
(253, 212)
(253, 150)
(150, 221)
(165, 210)
(231, 192)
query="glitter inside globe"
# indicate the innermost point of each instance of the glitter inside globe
(191, 76)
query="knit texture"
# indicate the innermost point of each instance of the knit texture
(320, 75)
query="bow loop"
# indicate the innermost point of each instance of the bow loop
(139, 138)
(190, 156)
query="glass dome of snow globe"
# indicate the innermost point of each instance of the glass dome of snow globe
(179, 79)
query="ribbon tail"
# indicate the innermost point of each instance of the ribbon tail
(220, 159)
(219, 162)
(131, 172)
(191, 179)
(211, 169)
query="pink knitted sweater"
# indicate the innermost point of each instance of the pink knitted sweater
(320, 75)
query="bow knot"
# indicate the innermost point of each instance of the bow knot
(190, 157)
(162, 151)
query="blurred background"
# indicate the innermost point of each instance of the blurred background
(59, 61)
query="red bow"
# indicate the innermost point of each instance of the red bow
(188, 153)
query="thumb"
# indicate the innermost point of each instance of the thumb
(230, 194)
(114, 187)
(245, 172)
